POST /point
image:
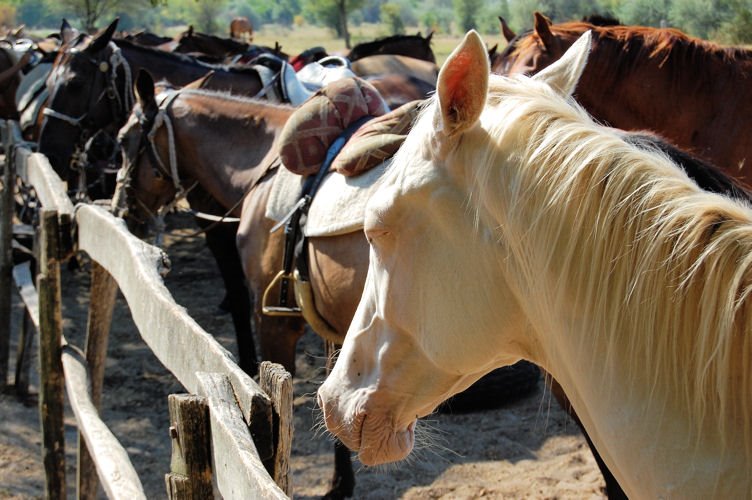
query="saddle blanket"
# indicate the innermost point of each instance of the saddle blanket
(338, 207)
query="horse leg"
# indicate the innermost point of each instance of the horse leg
(613, 490)
(221, 242)
(343, 480)
(278, 338)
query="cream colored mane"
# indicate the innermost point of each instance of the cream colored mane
(661, 269)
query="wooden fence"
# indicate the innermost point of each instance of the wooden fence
(228, 427)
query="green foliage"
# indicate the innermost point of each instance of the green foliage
(391, 16)
(643, 12)
(738, 28)
(437, 16)
(464, 13)
(728, 21)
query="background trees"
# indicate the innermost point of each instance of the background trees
(728, 21)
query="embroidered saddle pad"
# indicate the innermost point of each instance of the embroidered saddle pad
(339, 205)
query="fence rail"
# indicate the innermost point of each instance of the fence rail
(241, 414)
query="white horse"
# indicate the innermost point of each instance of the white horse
(512, 226)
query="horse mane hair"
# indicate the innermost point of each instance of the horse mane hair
(661, 269)
(237, 106)
(624, 47)
(364, 49)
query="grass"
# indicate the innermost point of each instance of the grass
(297, 39)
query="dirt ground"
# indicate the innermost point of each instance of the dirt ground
(528, 449)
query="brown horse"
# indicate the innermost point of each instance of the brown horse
(640, 78)
(696, 94)
(241, 28)
(206, 125)
(244, 133)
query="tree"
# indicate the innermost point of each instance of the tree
(333, 13)
(206, 14)
(464, 13)
(643, 12)
(738, 29)
(391, 15)
(90, 11)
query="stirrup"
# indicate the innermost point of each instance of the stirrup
(279, 310)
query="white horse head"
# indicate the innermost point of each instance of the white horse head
(424, 243)
(511, 226)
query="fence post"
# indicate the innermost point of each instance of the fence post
(190, 476)
(101, 305)
(50, 351)
(277, 383)
(6, 252)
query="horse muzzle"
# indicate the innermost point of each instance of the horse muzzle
(363, 422)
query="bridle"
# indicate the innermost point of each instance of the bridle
(120, 105)
(147, 146)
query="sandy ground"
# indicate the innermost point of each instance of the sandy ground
(528, 449)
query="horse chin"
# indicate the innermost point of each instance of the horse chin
(379, 445)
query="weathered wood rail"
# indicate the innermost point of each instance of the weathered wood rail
(226, 420)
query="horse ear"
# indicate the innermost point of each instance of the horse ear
(102, 39)
(564, 74)
(543, 29)
(509, 35)
(429, 36)
(462, 85)
(67, 32)
(144, 89)
(189, 33)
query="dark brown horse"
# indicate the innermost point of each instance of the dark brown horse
(90, 89)
(222, 49)
(91, 93)
(696, 94)
(415, 46)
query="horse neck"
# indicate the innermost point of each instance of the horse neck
(696, 105)
(162, 65)
(221, 146)
(598, 304)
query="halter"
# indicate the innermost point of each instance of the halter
(120, 105)
(147, 144)
(124, 103)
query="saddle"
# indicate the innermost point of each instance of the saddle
(318, 203)
(339, 206)
(32, 94)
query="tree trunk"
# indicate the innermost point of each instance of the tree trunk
(342, 5)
